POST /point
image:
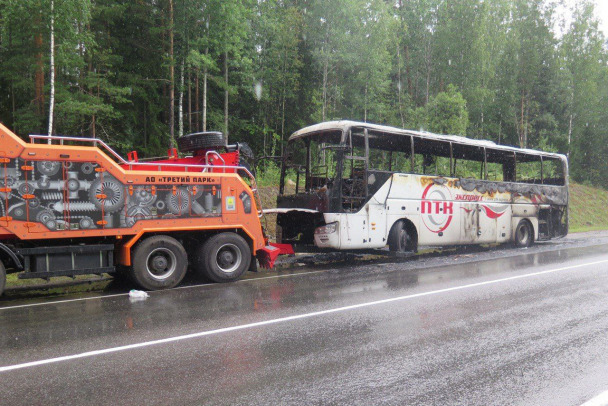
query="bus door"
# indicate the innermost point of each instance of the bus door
(353, 192)
(376, 217)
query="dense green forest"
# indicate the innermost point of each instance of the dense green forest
(138, 73)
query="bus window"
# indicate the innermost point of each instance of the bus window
(428, 164)
(501, 165)
(431, 157)
(354, 162)
(435, 165)
(468, 161)
(528, 169)
(401, 162)
(466, 168)
(553, 172)
(442, 166)
(379, 160)
(495, 172)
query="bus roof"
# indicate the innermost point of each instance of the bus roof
(344, 125)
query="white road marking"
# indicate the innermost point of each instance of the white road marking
(599, 400)
(285, 319)
(165, 290)
(61, 301)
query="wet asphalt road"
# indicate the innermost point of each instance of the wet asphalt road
(500, 327)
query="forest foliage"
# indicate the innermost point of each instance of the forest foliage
(139, 73)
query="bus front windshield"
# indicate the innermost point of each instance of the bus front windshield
(311, 161)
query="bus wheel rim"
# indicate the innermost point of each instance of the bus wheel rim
(402, 239)
(229, 258)
(161, 263)
(523, 234)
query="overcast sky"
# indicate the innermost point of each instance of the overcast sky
(601, 11)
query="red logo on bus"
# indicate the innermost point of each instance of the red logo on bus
(436, 208)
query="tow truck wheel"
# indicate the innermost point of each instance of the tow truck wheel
(223, 257)
(2, 278)
(523, 234)
(159, 262)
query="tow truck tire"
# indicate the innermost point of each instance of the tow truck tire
(2, 278)
(204, 140)
(524, 236)
(159, 262)
(223, 258)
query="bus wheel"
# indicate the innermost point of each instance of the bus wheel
(223, 257)
(2, 278)
(159, 262)
(523, 234)
(399, 240)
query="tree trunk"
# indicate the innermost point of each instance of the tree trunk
(92, 128)
(365, 105)
(226, 95)
(171, 78)
(39, 76)
(569, 134)
(283, 102)
(428, 58)
(145, 127)
(196, 105)
(521, 120)
(52, 66)
(325, 73)
(205, 73)
(181, 101)
(189, 101)
(526, 125)
(399, 84)
(407, 71)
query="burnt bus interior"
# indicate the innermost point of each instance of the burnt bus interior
(338, 171)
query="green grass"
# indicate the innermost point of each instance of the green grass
(588, 208)
(29, 288)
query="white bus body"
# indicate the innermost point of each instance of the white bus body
(365, 208)
(442, 212)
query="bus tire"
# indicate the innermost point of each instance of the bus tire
(2, 277)
(524, 234)
(399, 239)
(159, 262)
(223, 258)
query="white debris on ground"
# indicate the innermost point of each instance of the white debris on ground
(135, 295)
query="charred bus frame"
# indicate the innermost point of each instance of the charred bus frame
(342, 168)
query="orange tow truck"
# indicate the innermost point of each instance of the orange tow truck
(72, 206)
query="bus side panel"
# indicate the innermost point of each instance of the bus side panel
(525, 210)
(503, 225)
(403, 201)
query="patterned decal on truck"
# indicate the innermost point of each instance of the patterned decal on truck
(81, 195)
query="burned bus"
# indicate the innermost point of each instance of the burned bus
(351, 185)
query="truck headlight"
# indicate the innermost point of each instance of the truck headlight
(327, 229)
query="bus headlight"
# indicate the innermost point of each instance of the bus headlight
(327, 229)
